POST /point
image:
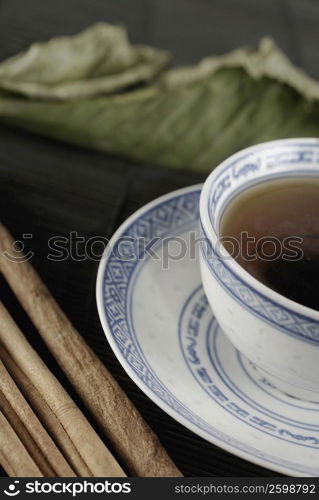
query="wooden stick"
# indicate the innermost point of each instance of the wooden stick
(45, 415)
(138, 446)
(97, 458)
(30, 430)
(14, 458)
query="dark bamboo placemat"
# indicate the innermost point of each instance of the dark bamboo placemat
(48, 188)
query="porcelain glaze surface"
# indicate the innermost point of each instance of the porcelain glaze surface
(158, 321)
(277, 334)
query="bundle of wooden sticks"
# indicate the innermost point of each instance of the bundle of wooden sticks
(42, 431)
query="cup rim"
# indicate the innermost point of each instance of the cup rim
(212, 236)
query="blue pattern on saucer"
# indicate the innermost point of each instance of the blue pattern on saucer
(167, 217)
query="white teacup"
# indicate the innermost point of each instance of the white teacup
(280, 336)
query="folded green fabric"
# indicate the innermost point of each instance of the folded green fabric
(78, 89)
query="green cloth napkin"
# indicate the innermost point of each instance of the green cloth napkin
(97, 90)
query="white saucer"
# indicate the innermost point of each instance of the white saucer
(158, 322)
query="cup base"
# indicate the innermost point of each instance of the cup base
(290, 389)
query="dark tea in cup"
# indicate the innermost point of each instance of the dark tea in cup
(272, 231)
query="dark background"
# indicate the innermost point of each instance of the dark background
(49, 188)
